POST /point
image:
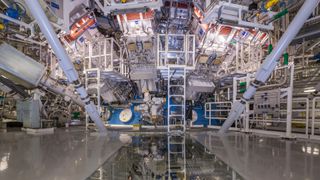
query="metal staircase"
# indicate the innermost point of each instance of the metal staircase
(176, 122)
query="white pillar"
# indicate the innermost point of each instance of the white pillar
(289, 104)
(64, 60)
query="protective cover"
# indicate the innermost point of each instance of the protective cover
(19, 68)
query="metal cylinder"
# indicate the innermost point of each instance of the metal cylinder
(64, 60)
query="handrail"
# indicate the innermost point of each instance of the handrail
(313, 114)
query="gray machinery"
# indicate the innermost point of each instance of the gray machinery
(30, 74)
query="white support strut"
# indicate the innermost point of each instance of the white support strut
(64, 60)
(270, 62)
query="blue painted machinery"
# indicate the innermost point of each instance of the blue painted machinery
(122, 116)
(199, 118)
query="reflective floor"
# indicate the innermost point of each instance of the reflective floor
(146, 157)
(257, 157)
(64, 155)
(74, 154)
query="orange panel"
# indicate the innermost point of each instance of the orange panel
(198, 13)
(133, 16)
(136, 16)
(79, 28)
(225, 30)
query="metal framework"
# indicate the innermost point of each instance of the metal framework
(102, 61)
(315, 123)
(111, 5)
(176, 50)
(102, 54)
(270, 63)
(65, 61)
(217, 111)
(93, 83)
(232, 12)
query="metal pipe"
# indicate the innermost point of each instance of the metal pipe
(64, 61)
(51, 85)
(270, 63)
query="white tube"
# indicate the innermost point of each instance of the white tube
(271, 61)
(57, 88)
(64, 60)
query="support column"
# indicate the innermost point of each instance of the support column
(64, 60)
(289, 104)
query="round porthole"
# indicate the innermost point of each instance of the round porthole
(125, 115)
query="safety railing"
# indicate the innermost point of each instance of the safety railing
(315, 122)
(274, 126)
(105, 54)
(278, 125)
(217, 111)
(175, 50)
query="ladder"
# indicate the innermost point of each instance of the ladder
(176, 100)
(177, 157)
(92, 82)
(176, 124)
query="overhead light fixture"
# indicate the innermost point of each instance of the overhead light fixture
(221, 39)
(309, 90)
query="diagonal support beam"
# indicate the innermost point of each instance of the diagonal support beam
(64, 60)
(270, 63)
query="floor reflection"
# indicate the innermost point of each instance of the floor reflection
(264, 158)
(148, 157)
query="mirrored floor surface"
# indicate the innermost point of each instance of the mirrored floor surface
(65, 155)
(147, 157)
(75, 155)
(257, 157)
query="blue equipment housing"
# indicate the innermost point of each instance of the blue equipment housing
(201, 120)
(115, 112)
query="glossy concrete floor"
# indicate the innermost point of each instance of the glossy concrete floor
(73, 154)
(145, 157)
(257, 157)
(64, 155)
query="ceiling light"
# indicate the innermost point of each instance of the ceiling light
(308, 90)
(221, 39)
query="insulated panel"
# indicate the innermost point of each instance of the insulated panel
(19, 68)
